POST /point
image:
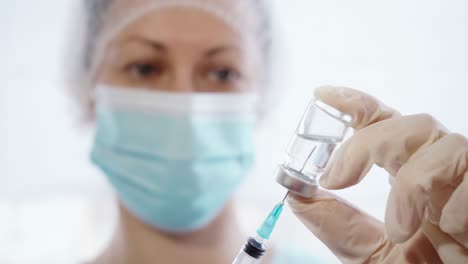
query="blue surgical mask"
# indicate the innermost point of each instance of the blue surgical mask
(173, 159)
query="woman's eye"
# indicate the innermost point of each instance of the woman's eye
(142, 70)
(224, 75)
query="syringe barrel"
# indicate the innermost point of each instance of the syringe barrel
(322, 127)
(244, 258)
(251, 253)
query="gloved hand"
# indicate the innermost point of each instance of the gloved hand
(426, 217)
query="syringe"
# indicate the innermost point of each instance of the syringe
(255, 247)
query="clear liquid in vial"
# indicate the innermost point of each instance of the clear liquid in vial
(309, 154)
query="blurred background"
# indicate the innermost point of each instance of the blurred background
(56, 208)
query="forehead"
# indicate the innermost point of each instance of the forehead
(240, 15)
(181, 25)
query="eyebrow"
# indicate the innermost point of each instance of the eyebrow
(214, 51)
(161, 47)
(154, 44)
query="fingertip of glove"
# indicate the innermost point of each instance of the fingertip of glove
(329, 179)
(329, 93)
(325, 183)
(451, 224)
(300, 204)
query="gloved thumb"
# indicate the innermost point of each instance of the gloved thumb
(351, 234)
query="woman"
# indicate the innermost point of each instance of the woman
(175, 89)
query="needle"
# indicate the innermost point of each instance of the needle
(284, 198)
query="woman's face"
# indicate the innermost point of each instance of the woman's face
(180, 50)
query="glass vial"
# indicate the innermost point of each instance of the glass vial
(321, 129)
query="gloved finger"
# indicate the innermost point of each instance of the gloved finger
(388, 144)
(437, 201)
(351, 234)
(364, 108)
(429, 170)
(448, 249)
(454, 219)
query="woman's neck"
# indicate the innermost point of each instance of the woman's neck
(136, 242)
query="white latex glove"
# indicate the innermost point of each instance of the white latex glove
(426, 218)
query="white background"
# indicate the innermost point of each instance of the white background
(55, 208)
